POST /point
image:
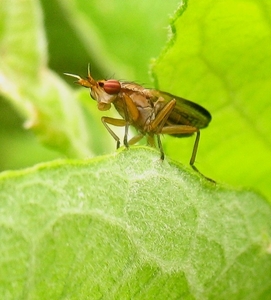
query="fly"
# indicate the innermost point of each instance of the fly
(150, 111)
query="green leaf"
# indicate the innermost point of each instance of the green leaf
(219, 57)
(129, 226)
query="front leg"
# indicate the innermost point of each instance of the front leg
(131, 114)
(116, 122)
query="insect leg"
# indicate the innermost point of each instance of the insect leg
(125, 139)
(115, 122)
(162, 154)
(131, 109)
(158, 123)
(130, 112)
(135, 139)
(186, 129)
(194, 152)
(161, 118)
(193, 157)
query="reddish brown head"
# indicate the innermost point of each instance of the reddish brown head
(103, 91)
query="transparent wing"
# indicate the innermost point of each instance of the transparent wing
(186, 112)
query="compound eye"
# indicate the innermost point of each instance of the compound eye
(111, 86)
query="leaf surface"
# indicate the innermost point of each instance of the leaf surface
(219, 57)
(130, 226)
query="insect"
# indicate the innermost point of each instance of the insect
(151, 112)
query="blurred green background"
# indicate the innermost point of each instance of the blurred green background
(119, 39)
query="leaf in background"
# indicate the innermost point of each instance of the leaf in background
(38, 94)
(121, 36)
(219, 57)
(127, 226)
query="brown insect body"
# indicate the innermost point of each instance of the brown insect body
(150, 111)
(141, 98)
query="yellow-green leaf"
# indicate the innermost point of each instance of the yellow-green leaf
(219, 57)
